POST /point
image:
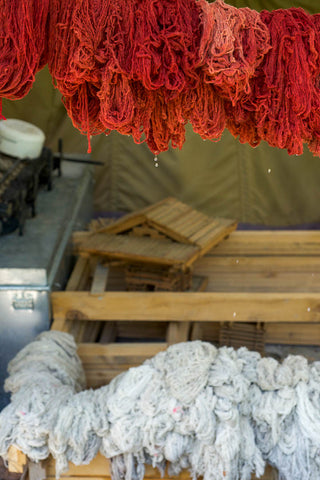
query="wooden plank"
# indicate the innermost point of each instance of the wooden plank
(198, 306)
(134, 218)
(260, 274)
(108, 333)
(172, 234)
(184, 220)
(262, 282)
(292, 334)
(215, 238)
(76, 477)
(60, 323)
(205, 331)
(267, 242)
(118, 353)
(100, 279)
(169, 210)
(89, 331)
(37, 471)
(178, 332)
(124, 223)
(16, 460)
(138, 249)
(236, 335)
(218, 264)
(99, 468)
(80, 271)
(151, 330)
(270, 242)
(206, 235)
(194, 225)
(78, 281)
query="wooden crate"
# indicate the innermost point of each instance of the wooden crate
(263, 278)
(98, 469)
(268, 278)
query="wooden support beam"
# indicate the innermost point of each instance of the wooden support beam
(99, 469)
(178, 332)
(16, 460)
(37, 471)
(185, 307)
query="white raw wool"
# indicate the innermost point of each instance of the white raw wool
(220, 413)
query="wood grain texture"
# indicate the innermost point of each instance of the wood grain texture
(197, 306)
(99, 468)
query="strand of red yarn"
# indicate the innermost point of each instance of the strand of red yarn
(233, 45)
(147, 67)
(283, 106)
(23, 45)
(142, 93)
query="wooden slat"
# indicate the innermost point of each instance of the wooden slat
(178, 332)
(132, 219)
(291, 263)
(207, 230)
(151, 330)
(193, 225)
(205, 331)
(168, 213)
(118, 353)
(260, 274)
(268, 243)
(306, 242)
(292, 334)
(100, 279)
(36, 471)
(16, 460)
(79, 275)
(182, 221)
(213, 239)
(91, 330)
(108, 333)
(102, 363)
(138, 249)
(124, 223)
(99, 468)
(198, 306)
(78, 281)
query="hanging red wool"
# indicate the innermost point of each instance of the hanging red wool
(156, 67)
(75, 54)
(314, 117)
(22, 44)
(284, 104)
(233, 45)
(108, 57)
(207, 112)
(165, 44)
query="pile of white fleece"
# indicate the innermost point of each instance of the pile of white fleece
(220, 413)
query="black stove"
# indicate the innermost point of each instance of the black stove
(20, 180)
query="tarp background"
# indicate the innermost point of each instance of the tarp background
(263, 186)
